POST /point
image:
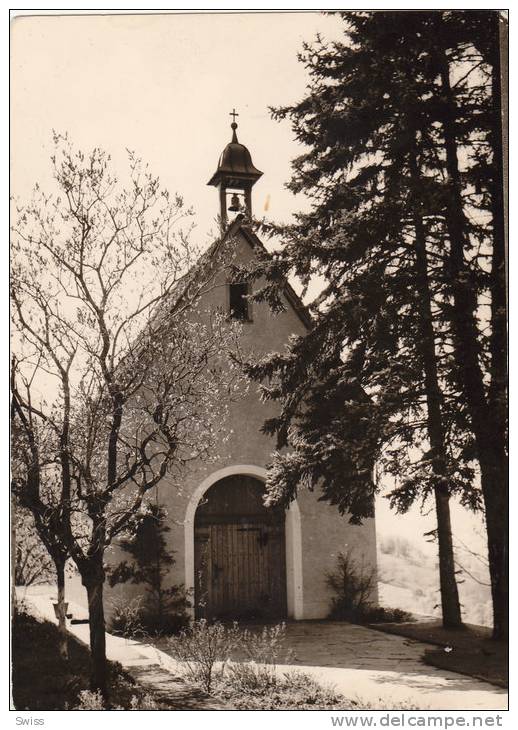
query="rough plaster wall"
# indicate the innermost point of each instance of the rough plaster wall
(325, 534)
(324, 531)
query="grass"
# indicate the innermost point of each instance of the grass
(473, 652)
(296, 691)
(42, 680)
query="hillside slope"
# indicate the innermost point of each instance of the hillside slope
(409, 579)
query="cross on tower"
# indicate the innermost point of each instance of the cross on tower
(233, 114)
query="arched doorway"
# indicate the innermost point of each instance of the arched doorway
(239, 552)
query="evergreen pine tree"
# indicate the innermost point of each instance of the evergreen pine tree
(381, 233)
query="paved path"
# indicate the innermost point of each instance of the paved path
(377, 668)
(151, 668)
(384, 668)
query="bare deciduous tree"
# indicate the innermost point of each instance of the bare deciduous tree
(33, 473)
(33, 563)
(109, 373)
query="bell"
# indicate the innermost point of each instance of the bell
(234, 203)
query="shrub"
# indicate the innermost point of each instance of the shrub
(205, 645)
(291, 691)
(168, 617)
(90, 701)
(300, 691)
(94, 701)
(145, 702)
(163, 610)
(126, 618)
(353, 585)
(382, 614)
(202, 646)
(250, 677)
(263, 651)
(265, 647)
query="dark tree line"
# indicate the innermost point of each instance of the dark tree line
(402, 130)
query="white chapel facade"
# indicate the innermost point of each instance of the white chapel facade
(239, 559)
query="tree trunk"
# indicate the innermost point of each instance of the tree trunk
(451, 613)
(498, 337)
(486, 421)
(496, 476)
(495, 490)
(61, 610)
(93, 583)
(158, 586)
(14, 606)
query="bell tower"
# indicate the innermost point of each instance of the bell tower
(235, 176)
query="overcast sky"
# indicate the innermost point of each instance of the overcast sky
(163, 86)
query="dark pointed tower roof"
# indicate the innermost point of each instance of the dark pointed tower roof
(235, 165)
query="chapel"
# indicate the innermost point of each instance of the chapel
(240, 558)
(237, 558)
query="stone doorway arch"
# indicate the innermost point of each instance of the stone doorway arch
(239, 553)
(291, 532)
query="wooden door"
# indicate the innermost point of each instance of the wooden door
(240, 566)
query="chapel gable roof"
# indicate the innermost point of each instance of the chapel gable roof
(208, 262)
